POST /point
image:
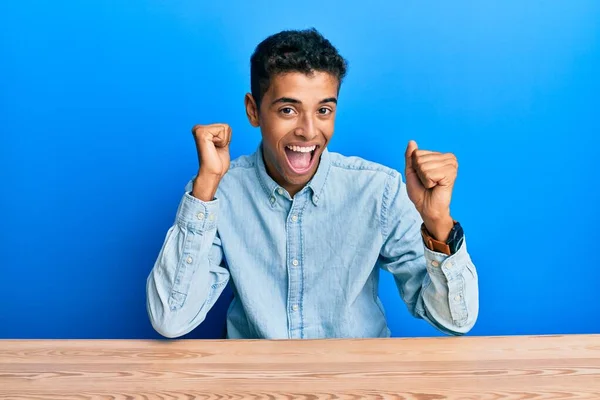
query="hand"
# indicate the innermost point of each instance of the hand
(430, 178)
(212, 146)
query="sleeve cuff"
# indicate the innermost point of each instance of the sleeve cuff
(442, 264)
(196, 214)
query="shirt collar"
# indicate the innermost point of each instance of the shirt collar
(316, 184)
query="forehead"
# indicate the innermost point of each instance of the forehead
(318, 85)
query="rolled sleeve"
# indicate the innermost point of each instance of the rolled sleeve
(198, 215)
(456, 273)
(188, 275)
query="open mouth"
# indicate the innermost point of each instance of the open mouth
(300, 158)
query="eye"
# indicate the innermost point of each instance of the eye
(287, 111)
(324, 111)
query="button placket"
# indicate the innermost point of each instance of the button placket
(295, 264)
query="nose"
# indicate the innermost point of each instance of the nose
(306, 128)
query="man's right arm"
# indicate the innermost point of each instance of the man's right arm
(187, 277)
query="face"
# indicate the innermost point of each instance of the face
(296, 119)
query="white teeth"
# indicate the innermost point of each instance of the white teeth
(301, 149)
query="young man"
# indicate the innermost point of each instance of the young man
(303, 233)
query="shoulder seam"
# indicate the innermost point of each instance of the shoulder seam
(384, 205)
(246, 166)
(386, 170)
(242, 162)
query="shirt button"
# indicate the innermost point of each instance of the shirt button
(272, 199)
(294, 218)
(435, 263)
(295, 263)
(457, 297)
(189, 260)
(200, 215)
(295, 307)
(280, 191)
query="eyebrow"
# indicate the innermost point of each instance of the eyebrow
(296, 101)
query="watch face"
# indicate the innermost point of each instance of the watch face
(458, 244)
(456, 238)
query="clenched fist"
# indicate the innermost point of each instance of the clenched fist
(212, 146)
(430, 178)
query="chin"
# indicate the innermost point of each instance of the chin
(297, 180)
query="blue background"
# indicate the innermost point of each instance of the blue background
(97, 99)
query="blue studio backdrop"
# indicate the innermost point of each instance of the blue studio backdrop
(97, 99)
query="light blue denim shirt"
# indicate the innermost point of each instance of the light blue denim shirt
(308, 266)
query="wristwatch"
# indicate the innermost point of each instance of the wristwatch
(450, 246)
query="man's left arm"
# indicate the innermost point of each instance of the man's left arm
(425, 249)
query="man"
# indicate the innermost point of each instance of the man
(302, 232)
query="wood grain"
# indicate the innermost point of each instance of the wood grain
(509, 367)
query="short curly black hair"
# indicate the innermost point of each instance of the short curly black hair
(303, 51)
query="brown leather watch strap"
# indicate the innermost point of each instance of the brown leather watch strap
(433, 244)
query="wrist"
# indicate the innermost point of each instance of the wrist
(205, 186)
(439, 227)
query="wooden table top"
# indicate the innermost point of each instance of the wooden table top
(469, 367)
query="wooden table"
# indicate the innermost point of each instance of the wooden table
(517, 367)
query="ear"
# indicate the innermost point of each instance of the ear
(251, 110)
